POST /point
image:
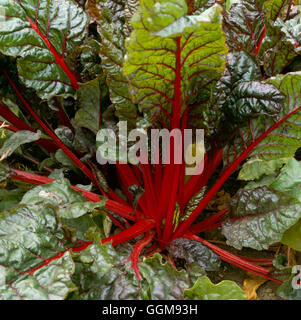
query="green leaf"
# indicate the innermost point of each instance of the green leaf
(30, 238)
(42, 34)
(193, 203)
(71, 204)
(244, 25)
(195, 7)
(291, 28)
(274, 8)
(292, 237)
(273, 200)
(253, 98)
(90, 62)
(109, 18)
(250, 27)
(276, 52)
(204, 289)
(101, 276)
(194, 251)
(173, 59)
(282, 143)
(165, 282)
(90, 96)
(105, 273)
(260, 217)
(256, 168)
(230, 2)
(130, 8)
(289, 179)
(10, 198)
(286, 291)
(52, 282)
(16, 140)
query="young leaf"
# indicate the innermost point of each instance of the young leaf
(204, 289)
(90, 96)
(193, 251)
(42, 34)
(292, 237)
(16, 140)
(171, 57)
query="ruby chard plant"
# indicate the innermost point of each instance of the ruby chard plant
(72, 228)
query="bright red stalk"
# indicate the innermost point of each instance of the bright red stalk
(119, 208)
(233, 259)
(187, 223)
(209, 223)
(19, 124)
(53, 136)
(59, 59)
(134, 231)
(84, 245)
(138, 247)
(63, 116)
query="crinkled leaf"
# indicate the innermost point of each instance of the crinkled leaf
(101, 276)
(65, 135)
(105, 273)
(276, 52)
(90, 62)
(173, 59)
(31, 237)
(16, 140)
(194, 251)
(282, 142)
(130, 8)
(261, 216)
(196, 7)
(250, 27)
(204, 289)
(71, 203)
(110, 28)
(90, 97)
(275, 8)
(230, 2)
(41, 33)
(165, 282)
(52, 282)
(249, 99)
(291, 29)
(244, 25)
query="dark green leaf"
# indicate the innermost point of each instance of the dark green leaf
(261, 216)
(41, 34)
(16, 140)
(193, 251)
